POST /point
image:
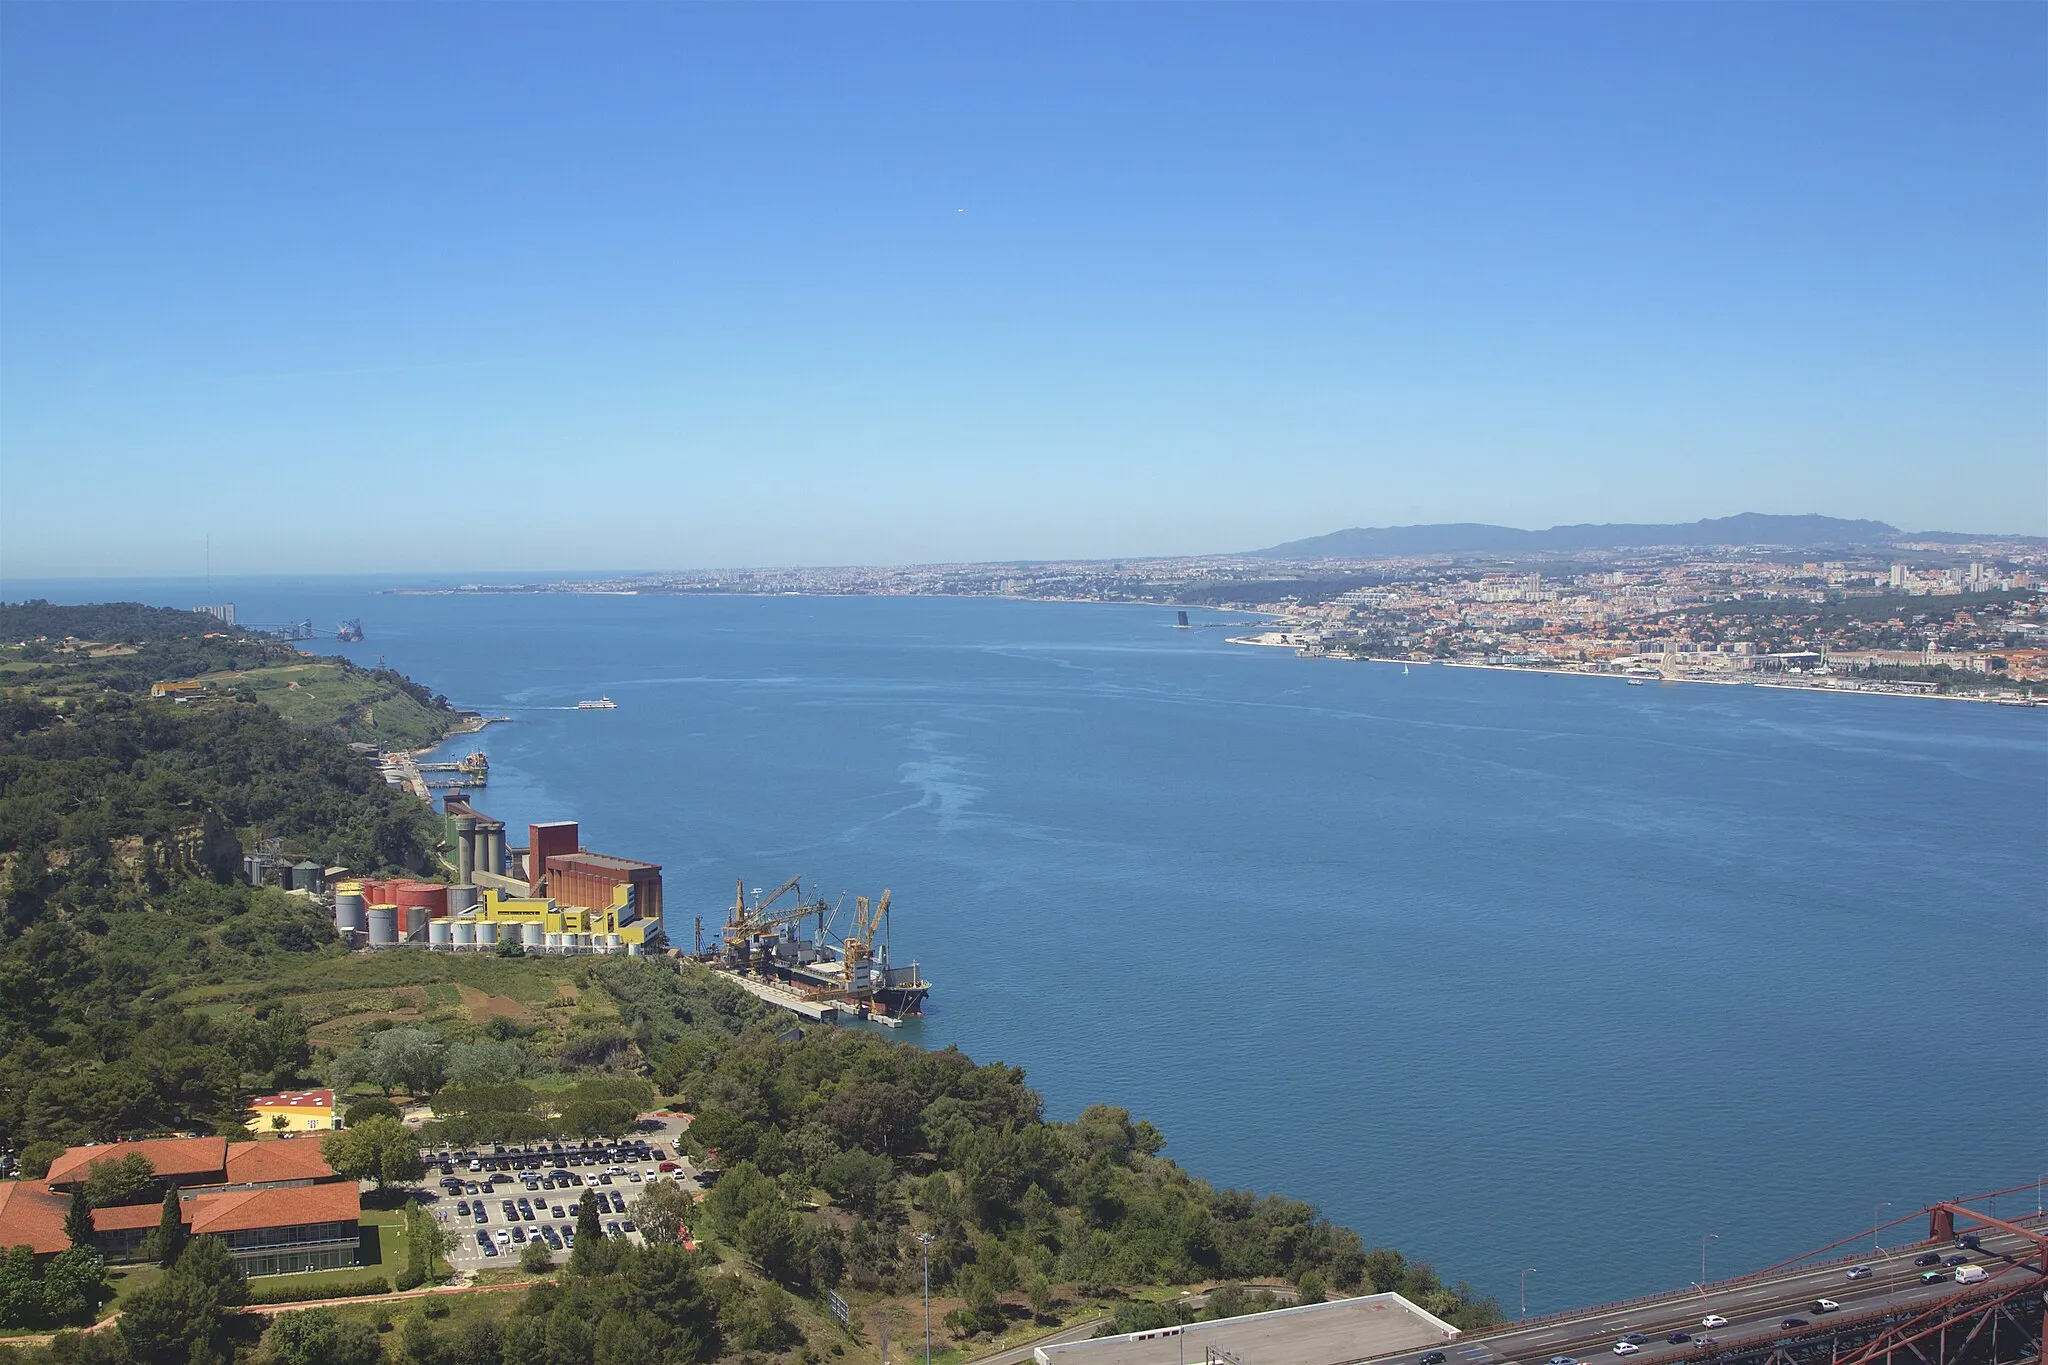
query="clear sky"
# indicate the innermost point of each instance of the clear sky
(526, 286)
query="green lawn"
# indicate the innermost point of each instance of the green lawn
(323, 695)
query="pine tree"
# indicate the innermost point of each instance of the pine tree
(170, 1231)
(78, 1219)
(588, 1258)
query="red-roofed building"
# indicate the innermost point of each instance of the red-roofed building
(302, 1111)
(177, 1161)
(33, 1217)
(277, 1230)
(277, 1162)
(202, 1163)
(277, 1204)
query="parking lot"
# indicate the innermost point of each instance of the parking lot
(493, 1200)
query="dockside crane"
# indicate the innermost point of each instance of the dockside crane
(859, 947)
(747, 924)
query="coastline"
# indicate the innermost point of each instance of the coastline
(2016, 703)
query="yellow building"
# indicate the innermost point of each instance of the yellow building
(544, 924)
(303, 1111)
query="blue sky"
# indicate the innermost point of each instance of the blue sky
(355, 287)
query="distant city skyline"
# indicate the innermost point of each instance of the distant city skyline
(466, 289)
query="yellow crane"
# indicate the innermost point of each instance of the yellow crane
(868, 918)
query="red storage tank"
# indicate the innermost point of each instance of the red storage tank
(431, 898)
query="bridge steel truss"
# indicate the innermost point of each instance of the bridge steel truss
(2004, 1327)
(1998, 1322)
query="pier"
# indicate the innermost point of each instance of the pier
(782, 999)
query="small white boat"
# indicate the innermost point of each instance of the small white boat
(601, 704)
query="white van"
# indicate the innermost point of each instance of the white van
(1969, 1274)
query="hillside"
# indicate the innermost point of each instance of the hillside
(60, 652)
(145, 990)
(1747, 528)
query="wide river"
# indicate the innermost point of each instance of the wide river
(1508, 971)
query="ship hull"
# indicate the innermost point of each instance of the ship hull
(897, 1000)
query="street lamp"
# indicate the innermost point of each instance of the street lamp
(924, 1242)
(1709, 1237)
(1874, 1213)
(1525, 1294)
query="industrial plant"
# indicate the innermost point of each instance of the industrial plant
(552, 896)
(555, 896)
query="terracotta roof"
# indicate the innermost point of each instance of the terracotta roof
(295, 1099)
(275, 1159)
(125, 1217)
(242, 1210)
(31, 1216)
(170, 1156)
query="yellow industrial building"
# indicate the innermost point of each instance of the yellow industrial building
(544, 924)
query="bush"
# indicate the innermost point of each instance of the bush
(332, 1289)
(369, 1109)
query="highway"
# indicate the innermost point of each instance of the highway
(1753, 1307)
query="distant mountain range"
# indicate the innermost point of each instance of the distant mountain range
(1810, 532)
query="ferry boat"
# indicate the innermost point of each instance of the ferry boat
(601, 704)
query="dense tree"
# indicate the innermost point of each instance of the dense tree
(78, 1219)
(662, 1212)
(167, 1242)
(362, 1110)
(74, 1284)
(316, 1336)
(380, 1149)
(184, 1316)
(592, 1255)
(110, 1180)
(21, 1290)
(413, 1060)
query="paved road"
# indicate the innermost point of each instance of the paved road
(1752, 1307)
(1019, 1355)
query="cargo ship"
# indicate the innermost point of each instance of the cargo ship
(850, 970)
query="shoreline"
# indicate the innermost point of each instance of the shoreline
(2016, 703)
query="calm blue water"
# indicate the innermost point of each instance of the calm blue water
(1507, 971)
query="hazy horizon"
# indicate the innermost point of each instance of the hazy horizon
(459, 290)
